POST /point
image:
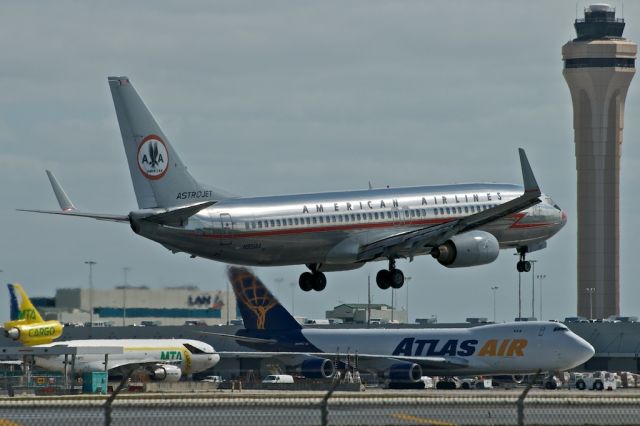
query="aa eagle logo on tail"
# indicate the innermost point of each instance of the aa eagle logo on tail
(153, 157)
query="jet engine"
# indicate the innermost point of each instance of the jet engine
(166, 373)
(317, 368)
(469, 249)
(13, 333)
(506, 380)
(405, 372)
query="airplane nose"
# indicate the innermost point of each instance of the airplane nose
(582, 350)
(214, 359)
(563, 217)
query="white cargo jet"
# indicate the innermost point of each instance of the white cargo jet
(162, 359)
(400, 355)
(459, 225)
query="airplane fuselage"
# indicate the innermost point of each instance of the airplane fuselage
(511, 348)
(328, 229)
(136, 351)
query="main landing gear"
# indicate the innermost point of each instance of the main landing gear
(523, 265)
(314, 280)
(391, 277)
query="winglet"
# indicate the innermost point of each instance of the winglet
(530, 184)
(65, 203)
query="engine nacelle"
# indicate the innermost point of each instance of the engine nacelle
(318, 368)
(509, 379)
(13, 333)
(166, 373)
(405, 372)
(469, 249)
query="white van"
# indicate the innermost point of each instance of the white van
(278, 378)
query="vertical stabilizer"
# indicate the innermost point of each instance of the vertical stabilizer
(21, 307)
(259, 308)
(160, 179)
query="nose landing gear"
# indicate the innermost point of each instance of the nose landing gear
(391, 277)
(523, 265)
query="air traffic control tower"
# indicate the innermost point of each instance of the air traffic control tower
(598, 66)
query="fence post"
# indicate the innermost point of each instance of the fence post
(324, 412)
(523, 395)
(114, 394)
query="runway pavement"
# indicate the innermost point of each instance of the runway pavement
(488, 407)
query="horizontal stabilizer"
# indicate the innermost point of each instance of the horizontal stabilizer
(177, 216)
(97, 216)
(241, 338)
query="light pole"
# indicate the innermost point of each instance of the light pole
(540, 278)
(125, 271)
(368, 300)
(533, 286)
(293, 301)
(90, 263)
(590, 291)
(227, 305)
(393, 291)
(519, 295)
(406, 282)
(494, 288)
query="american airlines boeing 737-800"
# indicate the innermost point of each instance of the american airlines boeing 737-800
(459, 225)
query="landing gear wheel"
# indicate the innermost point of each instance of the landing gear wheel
(523, 265)
(598, 386)
(581, 385)
(306, 281)
(396, 278)
(383, 279)
(318, 281)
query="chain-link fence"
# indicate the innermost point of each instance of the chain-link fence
(370, 407)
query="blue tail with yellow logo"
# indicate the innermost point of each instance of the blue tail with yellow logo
(259, 308)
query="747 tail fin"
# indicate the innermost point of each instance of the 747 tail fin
(259, 308)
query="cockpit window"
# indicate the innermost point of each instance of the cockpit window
(193, 349)
(560, 328)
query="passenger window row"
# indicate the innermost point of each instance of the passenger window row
(363, 217)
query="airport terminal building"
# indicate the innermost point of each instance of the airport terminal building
(133, 305)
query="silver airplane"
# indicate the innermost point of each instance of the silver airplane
(459, 225)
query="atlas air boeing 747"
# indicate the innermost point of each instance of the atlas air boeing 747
(400, 355)
(459, 225)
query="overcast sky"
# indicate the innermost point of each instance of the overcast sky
(272, 97)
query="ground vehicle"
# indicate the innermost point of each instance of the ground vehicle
(195, 323)
(598, 380)
(212, 379)
(278, 378)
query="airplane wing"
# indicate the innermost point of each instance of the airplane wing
(430, 363)
(419, 239)
(367, 361)
(133, 365)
